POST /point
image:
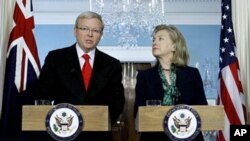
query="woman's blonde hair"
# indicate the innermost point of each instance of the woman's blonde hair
(181, 55)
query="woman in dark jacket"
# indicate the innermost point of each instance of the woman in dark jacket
(171, 80)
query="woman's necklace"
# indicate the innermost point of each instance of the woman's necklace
(166, 69)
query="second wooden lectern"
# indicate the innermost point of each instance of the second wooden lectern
(150, 118)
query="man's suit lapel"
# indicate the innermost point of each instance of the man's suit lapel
(97, 66)
(75, 69)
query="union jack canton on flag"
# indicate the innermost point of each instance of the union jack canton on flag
(22, 68)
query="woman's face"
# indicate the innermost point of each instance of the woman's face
(162, 45)
(88, 33)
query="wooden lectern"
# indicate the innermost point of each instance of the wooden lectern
(150, 118)
(96, 118)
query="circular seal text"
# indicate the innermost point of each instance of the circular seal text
(64, 122)
(182, 122)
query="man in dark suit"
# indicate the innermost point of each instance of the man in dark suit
(61, 78)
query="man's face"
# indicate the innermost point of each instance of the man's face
(88, 33)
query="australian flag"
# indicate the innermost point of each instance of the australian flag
(22, 69)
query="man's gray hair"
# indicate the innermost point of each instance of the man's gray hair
(89, 15)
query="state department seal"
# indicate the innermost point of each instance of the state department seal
(64, 122)
(182, 122)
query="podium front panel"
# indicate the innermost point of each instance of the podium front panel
(150, 118)
(95, 118)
